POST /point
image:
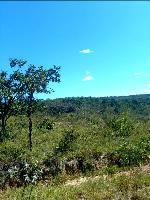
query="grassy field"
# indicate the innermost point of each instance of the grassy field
(133, 184)
(108, 146)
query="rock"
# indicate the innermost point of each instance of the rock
(52, 166)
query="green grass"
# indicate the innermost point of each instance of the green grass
(92, 136)
(134, 186)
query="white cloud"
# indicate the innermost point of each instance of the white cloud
(148, 85)
(137, 73)
(147, 91)
(86, 51)
(88, 78)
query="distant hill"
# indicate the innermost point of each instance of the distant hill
(138, 105)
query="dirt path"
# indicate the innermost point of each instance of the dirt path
(76, 182)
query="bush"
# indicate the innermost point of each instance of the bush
(20, 173)
(7, 134)
(144, 145)
(46, 124)
(127, 155)
(30, 173)
(65, 143)
(122, 125)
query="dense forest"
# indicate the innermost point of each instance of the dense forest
(138, 105)
(74, 137)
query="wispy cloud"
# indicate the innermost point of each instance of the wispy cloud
(137, 73)
(148, 84)
(86, 51)
(147, 91)
(87, 77)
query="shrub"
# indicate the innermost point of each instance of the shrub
(127, 155)
(7, 134)
(30, 173)
(20, 173)
(65, 143)
(144, 145)
(46, 124)
(122, 125)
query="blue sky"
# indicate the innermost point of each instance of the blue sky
(103, 47)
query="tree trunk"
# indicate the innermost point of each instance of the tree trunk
(3, 129)
(30, 100)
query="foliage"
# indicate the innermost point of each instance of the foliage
(46, 124)
(122, 125)
(107, 107)
(82, 136)
(33, 80)
(21, 173)
(65, 143)
(132, 186)
(128, 154)
(11, 96)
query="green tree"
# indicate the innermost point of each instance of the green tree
(35, 80)
(11, 94)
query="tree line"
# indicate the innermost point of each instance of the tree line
(105, 107)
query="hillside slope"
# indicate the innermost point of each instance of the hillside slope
(75, 137)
